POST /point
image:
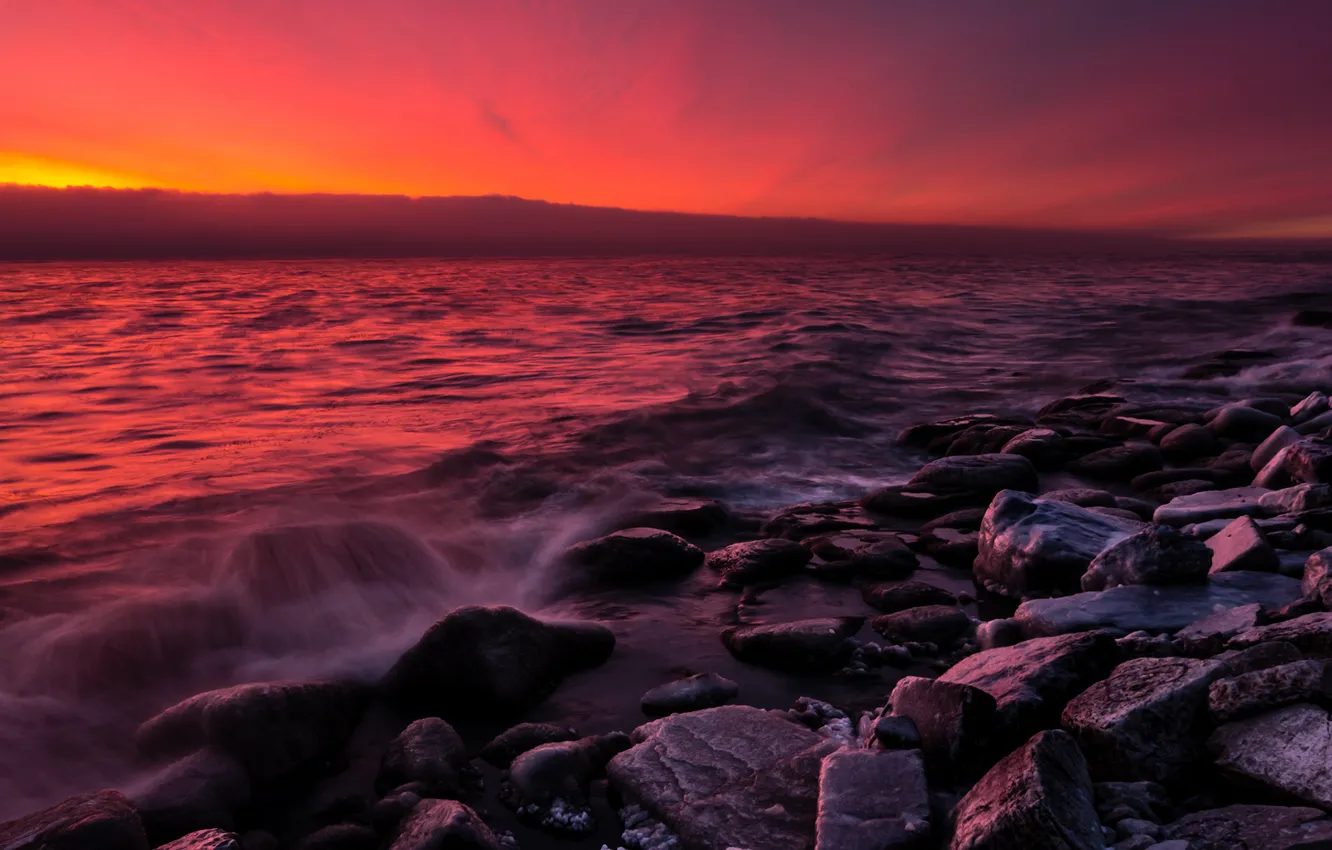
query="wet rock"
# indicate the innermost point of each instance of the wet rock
(685, 517)
(1314, 404)
(1083, 497)
(1292, 500)
(924, 434)
(1044, 447)
(1141, 800)
(1153, 608)
(967, 519)
(429, 752)
(873, 801)
(201, 791)
(1161, 477)
(1039, 797)
(726, 777)
(633, 556)
(1311, 634)
(1316, 582)
(444, 825)
(1241, 546)
(942, 625)
(1175, 489)
(1251, 828)
(873, 554)
(1187, 442)
(982, 474)
(1310, 461)
(340, 836)
(1118, 463)
(1032, 681)
(1141, 508)
(893, 732)
(758, 561)
(951, 547)
(1120, 425)
(205, 839)
(1147, 720)
(983, 439)
(512, 743)
(1031, 546)
(704, 690)
(1209, 529)
(1275, 475)
(1255, 692)
(271, 728)
(1156, 555)
(803, 645)
(1287, 750)
(993, 634)
(955, 723)
(1269, 448)
(562, 771)
(901, 595)
(101, 821)
(1245, 424)
(493, 662)
(801, 521)
(1084, 411)
(1319, 423)
(1208, 635)
(1117, 513)
(1215, 504)
(904, 501)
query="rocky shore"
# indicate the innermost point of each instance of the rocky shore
(1142, 663)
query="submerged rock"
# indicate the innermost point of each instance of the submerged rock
(428, 752)
(1156, 555)
(444, 825)
(873, 801)
(101, 821)
(803, 645)
(1287, 750)
(758, 561)
(704, 690)
(633, 556)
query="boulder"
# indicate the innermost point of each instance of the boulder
(1310, 461)
(1148, 720)
(1213, 504)
(562, 771)
(692, 693)
(1032, 681)
(1039, 797)
(205, 839)
(1085, 410)
(1314, 404)
(1153, 608)
(806, 520)
(1257, 691)
(901, 595)
(966, 519)
(869, 554)
(1318, 424)
(923, 434)
(1187, 442)
(101, 821)
(1251, 828)
(428, 752)
(1286, 751)
(201, 791)
(758, 561)
(633, 556)
(270, 728)
(892, 732)
(1118, 463)
(984, 474)
(1044, 447)
(1275, 442)
(510, 744)
(1209, 635)
(444, 825)
(942, 625)
(1156, 555)
(1275, 475)
(1316, 582)
(1246, 424)
(951, 547)
(1162, 477)
(493, 662)
(1030, 546)
(955, 723)
(1297, 499)
(1241, 546)
(733, 776)
(1083, 497)
(686, 517)
(983, 439)
(873, 801)
(1311, 634)
(803, 645)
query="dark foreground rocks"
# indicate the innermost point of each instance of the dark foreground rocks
(1252, 828)
(101, 821)
(804, 645)
(704, 690)
(444, 825)
(873, 801)
(632, 556)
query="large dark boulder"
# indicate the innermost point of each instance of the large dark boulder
(1286, 751)
(1118, 463)
(493, 662)
(428, 752)
(632, 556)
(1187, 442)
(803, 645)
(984, 474)
(1156, 555)
(955, 723)
(873, 801)
(1044, 447)
(203, 790)
(101, 821)
(758, 561)
(1258, 691)
(444, 825)
(1247, 827)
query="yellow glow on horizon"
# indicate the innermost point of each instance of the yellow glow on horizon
(28, 170)
(1315, 227)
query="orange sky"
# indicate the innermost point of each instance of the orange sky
(1196, 116)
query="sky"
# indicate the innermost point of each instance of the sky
(1193, 117)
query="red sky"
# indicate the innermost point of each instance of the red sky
(1192, 116)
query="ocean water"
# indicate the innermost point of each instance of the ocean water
(222, 472)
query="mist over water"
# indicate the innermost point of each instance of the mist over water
(214, 473)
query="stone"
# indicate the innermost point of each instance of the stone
(1310, 461)
(270, 728)
(951, 547)
(726, 777)
(1311, 634)
(1039, 797)
(443, 825)
(942, 625)
(1120, 514)
(758, 561)
(803, 645)
(633, 556)
(510, 744)
(1141, 800)
(1232, 467)
(1246, 424)
(1148, 720)
(1241, 546)
(806, 520)
(428, 752)
(901, 595)
(1213, 504)
(1083, 497)
(1245, 827)
(682, 516)
(1161, 477)
(562, 771)
(955, 723)
(984, 474)
(1275, 475)
(871, 554)
(1032, 546)
(993, 634)
(1118, 463)
(104, 820)
(1141, 508)
(1319, 423)
(1293, 500)
(1275, 442)
(493, 662)
(923, 434)
(1032, 681)
(1208, 635)
(966, 519)
(704, 690)
(1288, 751)
(983, 439)
(873, 801)
(1119, 425)
(340, 836)
(1044, 447)
(1187, 442)
(1156, 555)
(201, 791)
(893, 732)
(204, 839)
(1316, 581)
(1175, 489)
(1085, 410)
(1209, 529)
(1314, 404)
(1153, 608)
(1257, 691)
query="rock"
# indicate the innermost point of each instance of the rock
(1039, 797)
(983, 439)
(1314, 404)
(1031, 546)
(1156, 555)
(1175, 489)
(1245, 424)
(955, 722)
(1215, 504)
(1141, 800)
(1161, 477)
(1119, 425)
(1251, 828)
(1275, 442)
(1241, 546)
(201, 791)
(444, 825)
(981, 474)
(271, 728)
(101, 821)
(803, 645)
(894, 732)
(924, 434)
(1141, 508)
(1208, 635)
(1085, 410)
(1311, 634)
(562, 771)
(1187, 442)
(205, 839)
(873, 801)
(1292, 500)
(1319, 423)
(801, 521)
(758, 561)
(726, 777)
(1316, 582)
(966, 519)
(1257, 691)
(1117, 513)
(1083, 497)
(340, 836)
(951, 547)
(704, 690)
(903, 501)
(686, 517)
(1118, 463)
(1044, 447)
(428, 752)
(1153, 608)
(1147, 721)
(633, 556)
(875, 554)
(1032, 681)
(1286, 750)
(493, 662)
(1275, 475)
(512, 743)
(993, 634)
(1209, 529)
(901, 595)
(1310, 461)
(942, 625)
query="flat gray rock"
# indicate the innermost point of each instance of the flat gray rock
(1213, 504)
(871, 800)
(1288, 750)
(1252, 828)
(983, 473)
